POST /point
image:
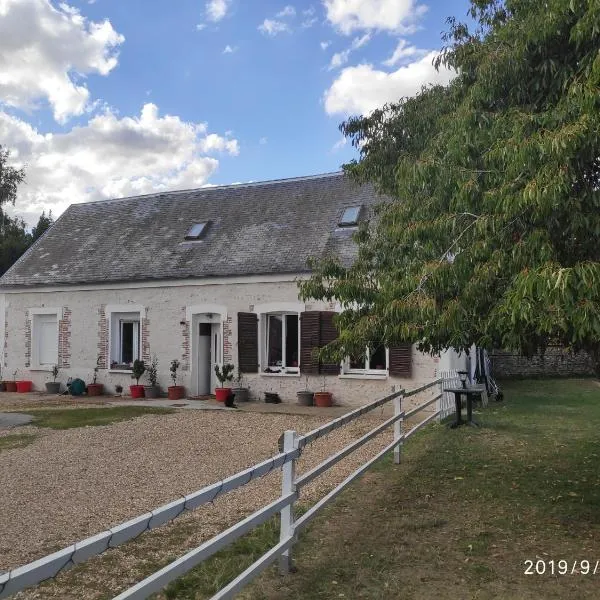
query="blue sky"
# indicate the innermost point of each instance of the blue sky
(110, 98)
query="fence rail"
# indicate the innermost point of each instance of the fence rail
(50, 566)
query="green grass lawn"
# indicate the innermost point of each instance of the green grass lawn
(458, 518)
(90, 417)
(17, 440)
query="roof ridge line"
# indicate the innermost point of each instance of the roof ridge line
(209, 188)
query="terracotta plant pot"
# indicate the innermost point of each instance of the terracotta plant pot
(176, 392)
(152, 391)
(323, 399)
(137, 391)
(23, 387)
(95, 389)
(222, 394)
(53, 387)
(11, 386)
(305, 398)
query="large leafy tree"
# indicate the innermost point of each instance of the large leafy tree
(490, 233)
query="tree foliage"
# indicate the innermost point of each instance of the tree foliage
(14, 238)
(490, 231)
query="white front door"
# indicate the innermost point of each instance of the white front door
(204, 359)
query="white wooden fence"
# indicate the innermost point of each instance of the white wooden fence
(293, 444)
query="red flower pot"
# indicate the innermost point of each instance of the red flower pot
(323, 399)
(95, 389)
(11, 386)
(222, 394)
(137, 391)
(176, 392)
(23, 386)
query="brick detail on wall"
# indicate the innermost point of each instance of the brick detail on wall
(185, 344)
(102, 337)
(555, 362)
(227, 341)
(64, 339)
(5, 351)
(27, 339)
(146, 340)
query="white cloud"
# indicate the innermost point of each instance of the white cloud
(272, 27)
(200, 26)
(217, 9)
(399, 16)
(229, 49)
(339, 144)
(263, 141)
(110, 157)
(361, 89)
(288, 11)
(45, 50)
(341, 58)
(403, 52)
(325, 45)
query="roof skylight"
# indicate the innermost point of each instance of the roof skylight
(196, 231)
(350, 216)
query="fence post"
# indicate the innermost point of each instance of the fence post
(440, 405)
(288, 477)
(398, 427)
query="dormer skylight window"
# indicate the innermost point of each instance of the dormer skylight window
(350, 217)
(196, 231)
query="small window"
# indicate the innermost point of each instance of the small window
(196, 231)
(125, 340)
(45, 340)
(282, 343)
(373, 362)
(350, 216)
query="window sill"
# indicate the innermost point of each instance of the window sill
(374, 376)
(280, 374)
(128, 371)
(41, 368)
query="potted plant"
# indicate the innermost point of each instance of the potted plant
(96, 389)
(224, 373)
(11, 386)
(139, 368)
(240, 391)
(305, 397)
(152, 390)
(53, 387)
(175, 392)
(119, 389)
(323, 398)
(23, 386)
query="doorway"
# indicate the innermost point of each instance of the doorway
(208, 345)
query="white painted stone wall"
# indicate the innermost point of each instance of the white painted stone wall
(165, 310)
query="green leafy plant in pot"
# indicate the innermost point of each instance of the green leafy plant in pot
(175, 392)
(139, 368)
(152, 390)
(241, 391)
(53, 387)
(224, 374)
(96, 389)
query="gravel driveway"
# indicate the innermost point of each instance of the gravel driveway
(74, 483)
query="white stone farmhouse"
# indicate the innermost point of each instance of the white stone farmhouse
(206, 276)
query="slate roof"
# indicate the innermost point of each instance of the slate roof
(270, 227)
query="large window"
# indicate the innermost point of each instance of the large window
(281, 343)
(373, 362)
(125, 340)
(45, 341)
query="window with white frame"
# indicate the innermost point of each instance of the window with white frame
(124, 339)
(375, 361)
(44, 340)
(281, 342)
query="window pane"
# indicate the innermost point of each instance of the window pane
(291, 340)
(377, 358)
(126, 343)
(274, 341)
(47, 342)
(358, 362)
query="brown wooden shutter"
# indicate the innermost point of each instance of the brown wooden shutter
(401, 360)
(310, 327)
(247, 343)
(328, 334)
